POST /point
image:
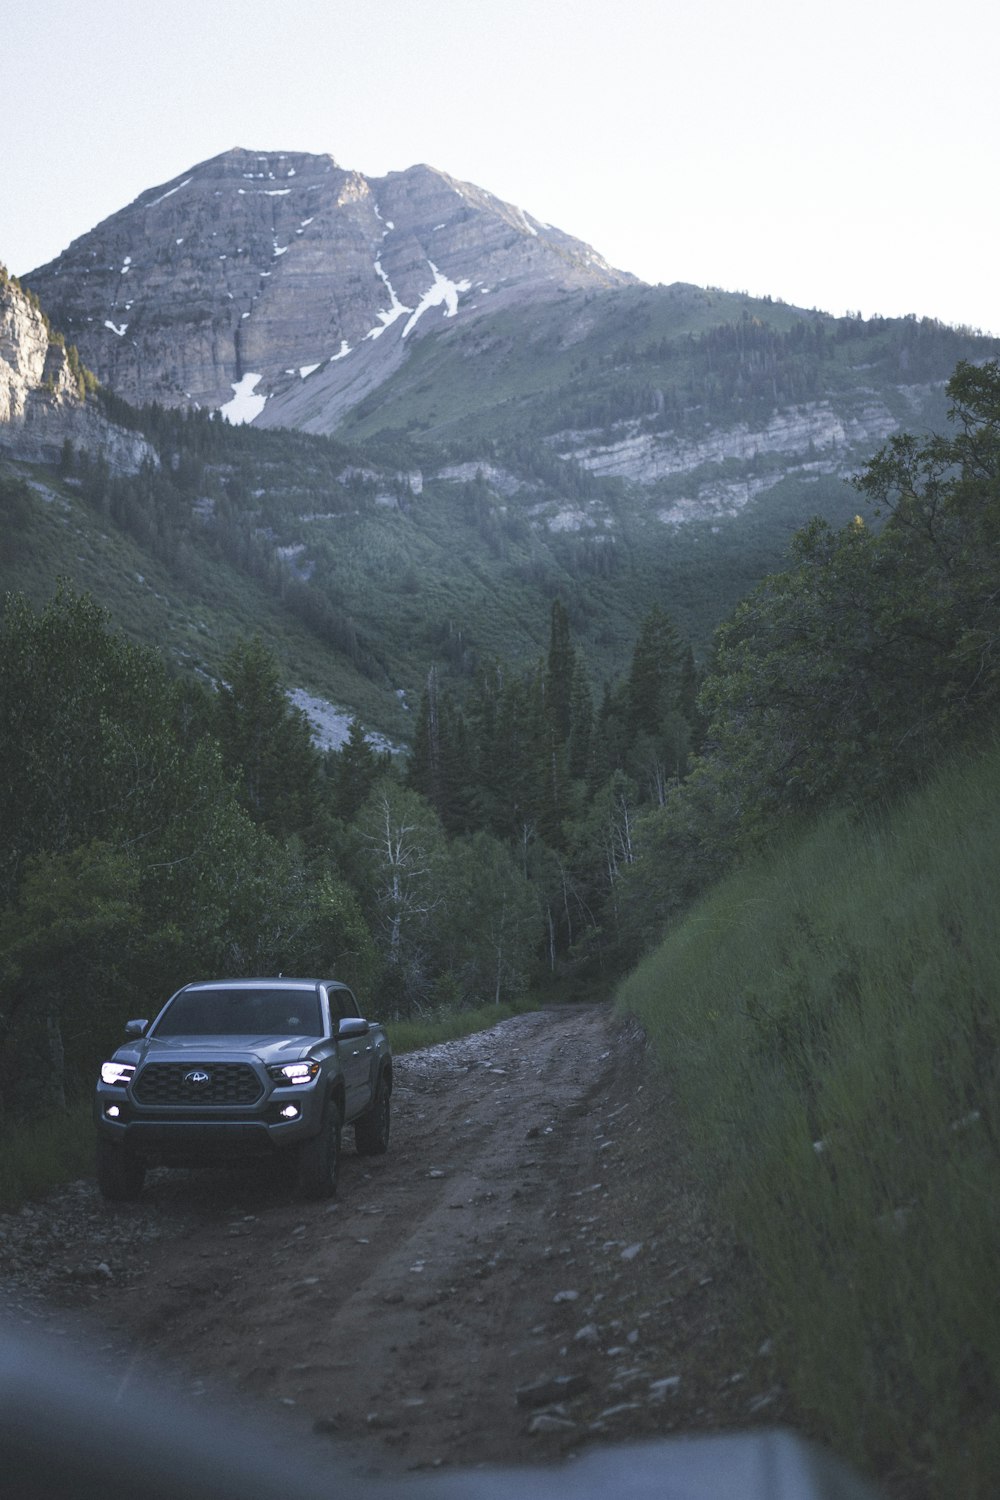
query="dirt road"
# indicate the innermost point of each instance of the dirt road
(529, 1268)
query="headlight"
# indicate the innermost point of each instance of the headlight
(298, 1072)
(117, 1074)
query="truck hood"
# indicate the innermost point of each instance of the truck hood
(263, 1049)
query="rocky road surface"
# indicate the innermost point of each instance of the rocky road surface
(531, 1268)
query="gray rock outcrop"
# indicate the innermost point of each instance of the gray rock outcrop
(42, 399)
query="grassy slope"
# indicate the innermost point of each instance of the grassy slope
(468, 383)
(194, 616)
(411, 582)
(831, 1020)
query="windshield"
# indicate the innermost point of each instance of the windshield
(237, 1012)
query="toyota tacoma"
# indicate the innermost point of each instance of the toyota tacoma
(242, 1069)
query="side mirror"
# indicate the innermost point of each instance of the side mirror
(135, 1028)
(351, 1026)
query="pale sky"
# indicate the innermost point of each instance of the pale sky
(843, 156)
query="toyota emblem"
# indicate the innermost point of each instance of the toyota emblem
(198, 1078)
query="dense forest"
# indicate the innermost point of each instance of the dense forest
(538, 832)
(157, 828)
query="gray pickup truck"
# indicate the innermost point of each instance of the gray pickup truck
(240, 1069)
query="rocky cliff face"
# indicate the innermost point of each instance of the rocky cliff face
(722, 472)
(32, 365)
(250, 275)
(813, 432)
(41, 400)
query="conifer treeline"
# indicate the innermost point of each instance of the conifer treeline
(530, 761)
(157, 830)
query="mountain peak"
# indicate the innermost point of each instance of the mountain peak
(253, 270)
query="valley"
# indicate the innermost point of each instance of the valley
(400, 591)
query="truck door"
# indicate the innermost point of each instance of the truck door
(355, 1055)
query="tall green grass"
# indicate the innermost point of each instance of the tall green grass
(831, 1020)
(38, 1155)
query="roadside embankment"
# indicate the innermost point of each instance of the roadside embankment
(830, 1021)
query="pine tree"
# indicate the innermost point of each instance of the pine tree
(266, 742)
(651, 688)
(559, 674)
(579, 748)
(441, 764)
(354, 769)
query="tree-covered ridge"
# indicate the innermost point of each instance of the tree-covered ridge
(841, 679)
(746, 370)
(670, 358)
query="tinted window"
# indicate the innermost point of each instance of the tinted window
(250, 1012)
(342, 1003)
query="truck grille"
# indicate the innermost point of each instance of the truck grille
(173, 1083)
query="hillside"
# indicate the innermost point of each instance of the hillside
(362, 574)
(828, 1018)
(367, 562)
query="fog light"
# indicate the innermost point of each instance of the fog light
(290, 1112)
(112, 1111)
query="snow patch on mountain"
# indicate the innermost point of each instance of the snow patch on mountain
(245, 405)
(169, 193)
(442, 293)
(395, 310)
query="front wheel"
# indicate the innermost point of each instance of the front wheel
(371, 1131)
(119, 1174)
(319, 1159)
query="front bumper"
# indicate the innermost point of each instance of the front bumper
(191, 1136)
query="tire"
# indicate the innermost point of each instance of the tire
(119, 1174)
(319, 1159)
(371, 1130)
